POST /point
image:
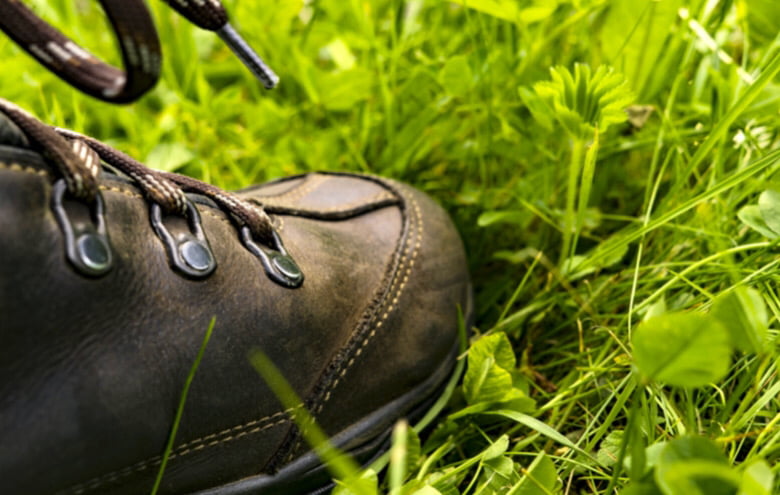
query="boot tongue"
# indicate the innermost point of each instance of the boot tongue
(11, 135)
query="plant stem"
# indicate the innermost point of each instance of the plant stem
(569, 217)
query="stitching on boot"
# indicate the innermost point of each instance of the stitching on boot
(211, 440)
(126, 192)
(311, 182)
(415, 227)
(377, 198)
(338, 212)
(388, 310)
(15, 167)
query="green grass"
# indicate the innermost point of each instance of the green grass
(571, 244)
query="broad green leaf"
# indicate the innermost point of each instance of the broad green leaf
(751, 216)
(633, 36)
(540, 479)
(610, 448)
(769, 204)
(694, 465)
(498, 475)
(488, 375)
(682, 349)
(456, 76)
(757, 479)
(743, 313)
(497, 448)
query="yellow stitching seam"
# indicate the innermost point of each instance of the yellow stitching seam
(23, 168)
(395, 295)
(233, 433)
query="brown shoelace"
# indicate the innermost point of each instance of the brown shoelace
(138, 41)
(77, 160)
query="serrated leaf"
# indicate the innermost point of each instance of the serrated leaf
(540, 478)
(586, 100)
(743, 313)
(488, 376)
(769, 204)
(757, 479)
(683, 349)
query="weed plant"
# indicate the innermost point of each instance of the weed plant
(611, 165)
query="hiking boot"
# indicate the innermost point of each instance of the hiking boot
(110, 274)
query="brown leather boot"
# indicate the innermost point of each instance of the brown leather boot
(110, 274)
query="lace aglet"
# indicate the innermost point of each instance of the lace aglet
(248, 56)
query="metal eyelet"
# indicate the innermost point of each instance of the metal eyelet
(189, 251)
(279, 266)
(86, 240)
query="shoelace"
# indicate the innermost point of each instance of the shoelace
(138, 41)
(77, 159)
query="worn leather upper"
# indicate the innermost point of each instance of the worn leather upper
(91, 369)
